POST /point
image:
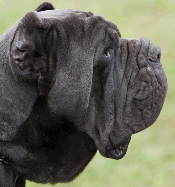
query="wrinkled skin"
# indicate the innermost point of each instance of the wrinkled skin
(70, 85)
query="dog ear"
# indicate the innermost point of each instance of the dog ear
(45, 6)
(31, 50)
(27, 48)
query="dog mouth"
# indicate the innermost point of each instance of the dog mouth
(119, 149)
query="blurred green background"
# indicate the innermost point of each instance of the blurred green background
(150, 160)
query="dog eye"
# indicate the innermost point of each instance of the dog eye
(108, 54)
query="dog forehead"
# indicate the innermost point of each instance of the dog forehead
(74, 16)
(62, 14)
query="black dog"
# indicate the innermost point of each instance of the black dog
(69, 85)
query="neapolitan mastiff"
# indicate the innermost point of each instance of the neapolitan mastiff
(69, 85)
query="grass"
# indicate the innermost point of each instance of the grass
(150, 161)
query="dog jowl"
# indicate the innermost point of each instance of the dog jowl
(69, 86)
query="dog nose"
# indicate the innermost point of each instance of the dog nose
(154, 54)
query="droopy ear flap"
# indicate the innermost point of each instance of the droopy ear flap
(27, 48)
(17, 98)
(45, 6)
(33, 51)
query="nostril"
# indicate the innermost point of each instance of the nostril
(155, 60)
(150, 59)
(159, 56)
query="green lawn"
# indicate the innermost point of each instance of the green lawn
(150, 161)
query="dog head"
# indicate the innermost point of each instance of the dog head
(107, 86)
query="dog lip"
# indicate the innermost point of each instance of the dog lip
(124, 144)
(119, 150)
